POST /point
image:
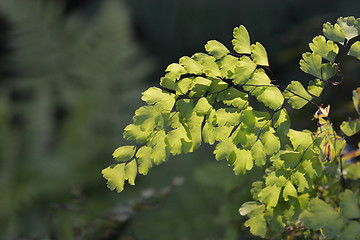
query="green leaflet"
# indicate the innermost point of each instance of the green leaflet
(289, 190)
(350, 26)
(271, 97)
(115, 176)
(216, 49)
(178, 141)
(224, 149)
(134, 132)
(163, 101)
(323, 48)
(144, 159)
(241, 40)
(258, 153)
(259, 80)
(210, 68)
(130, 171)
(300, 140)
(227, 66)
(228, 117)
(124, 153)
(350, 127)
(299, 180)
(244, 70)
(202, 106)
(349, 205)
(200, 87)
(356, 99)
(351, 231)
(259, 55)
(328, 70)
(257, 225)
(251, 209)
(281, 121)
(270, 196)
(233, 97)
(159, 152)
(315, 87)
(271, 142)
(184, 85)
(190, 65)
(296, 95)
(276, 179)
(318, 214)
(334, 32)
(355, 50)
(242, 160)
(311, 64)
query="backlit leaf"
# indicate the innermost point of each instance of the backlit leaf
(271, 142)
(281, 121)
(271, 97)
(270, 196)
(130, 171)
(243, 70)
(233, 97)
(201, 85)
(124, 153)
(275, 178)
(350, 26)
(350, 127)
(224, 149)
(334, 32)
(315, 87)
(257, 225)
(355, 50)
(202, 106)
(227, 66)
(323, 48)
(144, 159)
(251, 209)
(176, 139)
(296, 95)
(162, 100)
(327, 71)
(299, 180)
(134, 132)
(289, 190)
(115, 176)
(259, 55)
(159, 152)
(301, 140)
(210, 68)
(311, 64)
(258, 153)
(242, 160)
(190, 65)
(216, 49)
(259, 79)
(241, 40)
(356, 99)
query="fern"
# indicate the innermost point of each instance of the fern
(227, 99)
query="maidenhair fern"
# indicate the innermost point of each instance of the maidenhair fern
(227, 99)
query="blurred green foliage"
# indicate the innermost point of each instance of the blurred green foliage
(71, 82)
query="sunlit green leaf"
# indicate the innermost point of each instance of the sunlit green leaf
(259, 55)
(241, 40)
(355, 50)
(258, 153)
(257, 225)
(233, 97)
(190, 65)
(349, 205)
(228, 116)
(271, 142)
(311, 64)
(251, 209)
(162, 100)
(224, 149)
(351, 231)
(289, 190)
(301, 140)
(115, 176)
(124, 153)
(271, 97)
(185, 108)
(243, 70)
(327, 71)
(296, 95)
(210, 67)
(144, 159)
(134, 132)
(130, 171)
(201, 85)
(275, 178)
(350, 127)
(159, 152)
(350, 26)
(315, 87)
(270, 196)
(216, 49)
(334, 32)
(227, 66)
(176, 139)
(323, 48)
(242, 160)
(281, 121)
(259, 80)
(299, 180)
(304, 200)
(184, 85)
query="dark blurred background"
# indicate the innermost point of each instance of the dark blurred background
(71, 77)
